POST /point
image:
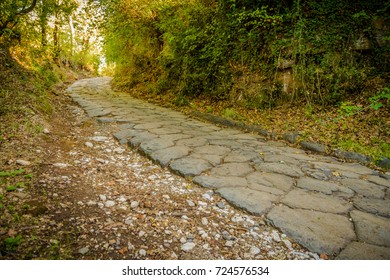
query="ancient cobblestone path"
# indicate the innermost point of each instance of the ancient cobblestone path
(341, 209)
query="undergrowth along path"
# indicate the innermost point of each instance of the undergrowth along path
(340, 209)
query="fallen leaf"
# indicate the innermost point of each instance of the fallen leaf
(11, 232)
(123, 250)
(324, 256)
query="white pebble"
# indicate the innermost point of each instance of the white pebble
(134, 204)
(275, 236)
(288, 244)
(188, 246)
(23, 162)
(89, 144)
(190, 203)
(142, 252)
(109, 203)
(254, 251)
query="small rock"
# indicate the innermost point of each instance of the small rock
(220, 205)
(99, 138)
(291, 137)
(83, 251)
(60, 165)
(134, 204)
(254, 251)
(229, 243)
(109, 203)
(89, 144)
(314, 147)
(384, 162)
(122, 199)
(288, 244)
(80, 203)
(188, 246)
(142, 252)
(129, 221)
(130, 246)
(207, 196)
(205, 221)
(103, 197)
(112, 241)
(275, 236)
(202, 204)
(141, 233)
(23, 162)
(183, 240)
(119, 150)
(20, 195)
(190, 203)
(237, 219)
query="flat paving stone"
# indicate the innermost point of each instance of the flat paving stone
(217, 182)
(140, 137)
(175, 137)
(281, 159)
(241, 156)
(212, 150)
(165, 156)
(375, 206)
(155, 144)
(280, 168)
(213, 159)
(316, 201)
(146, 126)
(379, 181)
(363, 251)
(319, 232)
(325, 187)
(248, 199)
(364, 188)
(190, 166)
(165, 130)
(280, 183)
(123, 134)
(232, 169)
(344, 167)
(371, 229)
(193, 142)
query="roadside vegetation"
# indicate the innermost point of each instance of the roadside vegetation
(44, 44)
(317, 68)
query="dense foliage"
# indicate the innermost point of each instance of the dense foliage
(63, 31)
(254, 53)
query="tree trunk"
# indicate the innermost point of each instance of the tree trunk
(56, 43)
(72, 34)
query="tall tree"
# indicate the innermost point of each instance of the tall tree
(11, 11)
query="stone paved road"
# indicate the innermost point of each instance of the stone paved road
(341, 209)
